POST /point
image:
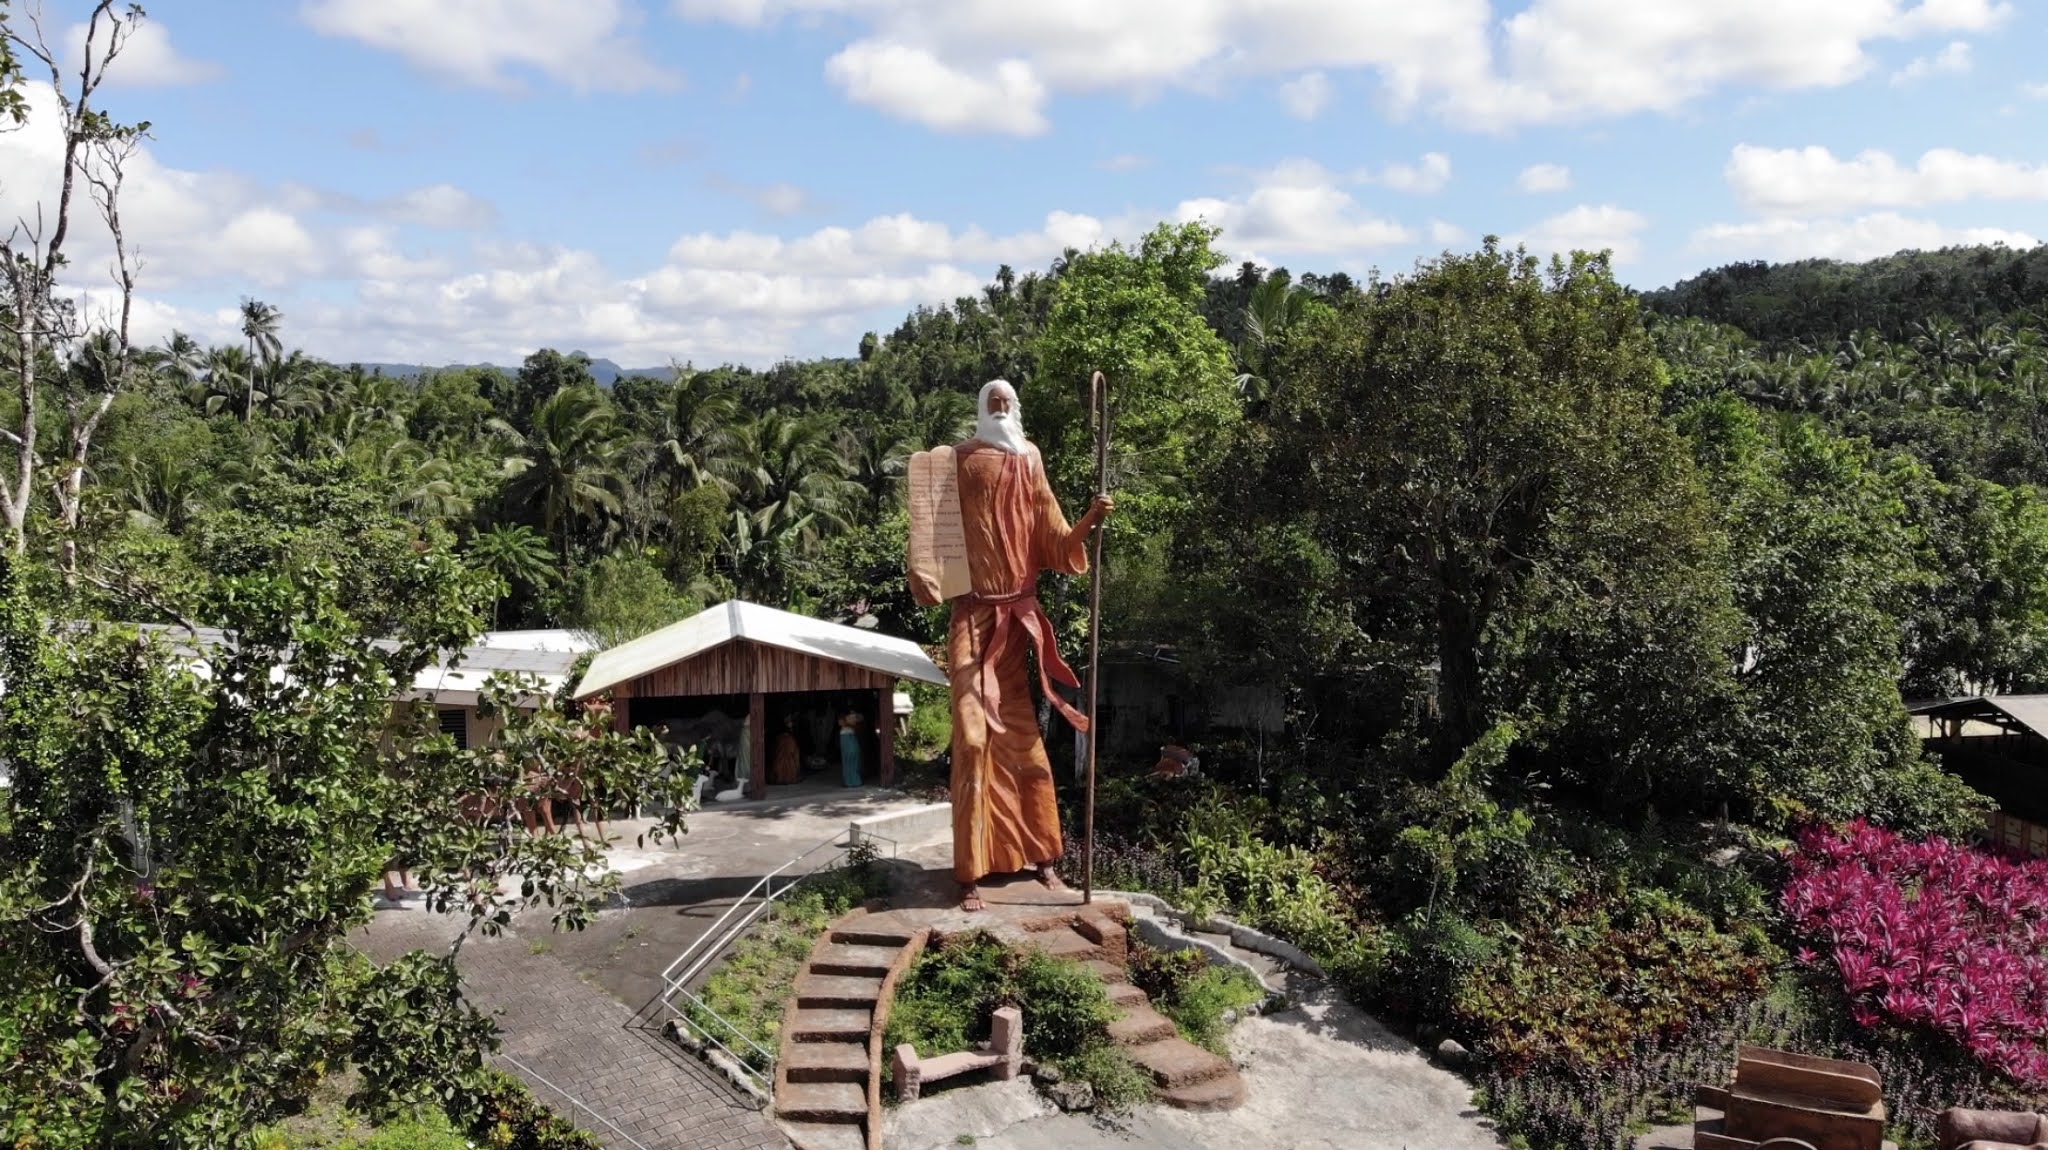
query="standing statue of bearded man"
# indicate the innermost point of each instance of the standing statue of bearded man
(1005, 818)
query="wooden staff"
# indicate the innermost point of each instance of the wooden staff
(1098, 399)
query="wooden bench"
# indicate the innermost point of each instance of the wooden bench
(1788, 1101)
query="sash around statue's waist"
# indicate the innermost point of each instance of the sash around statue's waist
(1020, 611)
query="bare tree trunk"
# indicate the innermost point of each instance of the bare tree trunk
(39, 323)
(87, 410)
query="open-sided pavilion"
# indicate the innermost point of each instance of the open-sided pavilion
(743, 663)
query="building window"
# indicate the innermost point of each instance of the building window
(456, 723)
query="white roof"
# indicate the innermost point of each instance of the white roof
(454, 678)
(547, 656)
(757, 624)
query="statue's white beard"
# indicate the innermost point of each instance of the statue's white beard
(1004, 431)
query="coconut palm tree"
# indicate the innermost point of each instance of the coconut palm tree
(514, 553)
(695, 442)
(259, 327)
(161, 492)
(1275, 306)
(227, 383)
(795, 475)
(567, 464)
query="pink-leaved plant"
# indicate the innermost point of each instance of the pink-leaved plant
(1930, 934)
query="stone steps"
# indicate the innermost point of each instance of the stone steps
(1125, 995)
(1141, 1024)
(1067, 944)
(1187, 1076)
(824, 1136)
(1108, 972)
(831, 1025)
(854, 959)
(845, 992)
(1176, 1062)
(1225, 1092)
(827, 1061)
(827, 1074)
(837, 1103)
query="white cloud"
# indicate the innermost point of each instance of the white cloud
(1862, 238)
(441, 206)
(147, 58)
(1953, 59)
(776, 199)
(1544, 178)
(1555, 60)
(1306, 95)
(1591, 229)
(2034, 91)
(585, 45)
(215, 231)
(1297, 208)
(913, 84)
(1446, 234)
(1813, 181)
(1126, 162)
(1429, 175)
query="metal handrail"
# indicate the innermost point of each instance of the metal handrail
(714, 942)
(719, 941)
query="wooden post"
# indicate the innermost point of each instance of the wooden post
(757, 751)
(1098, 389)
(885, 728)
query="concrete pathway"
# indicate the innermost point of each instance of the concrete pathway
(1320, 1075)
(574, 1008)
(582, 1051)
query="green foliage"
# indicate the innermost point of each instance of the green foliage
(930, 730)
(430, 1130)
(1135, 315)
(185, 852)
(1118, 1082)
(1822, 301)
(1823, 571)
(624, 596)
(959, 983)
(945, 1003)
(1184, 986)
(1274, 888)
(1583, 984)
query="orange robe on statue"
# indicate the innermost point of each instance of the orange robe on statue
(1004, 815)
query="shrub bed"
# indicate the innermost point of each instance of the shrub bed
(1931, 937)
(1195, 993)
(947, 999)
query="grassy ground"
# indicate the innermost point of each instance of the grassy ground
(328, 1124)
(750, 990)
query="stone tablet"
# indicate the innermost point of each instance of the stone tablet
(938, 542)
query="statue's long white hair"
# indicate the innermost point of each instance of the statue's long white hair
(1006, 429)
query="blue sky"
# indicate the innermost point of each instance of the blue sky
(711, 180)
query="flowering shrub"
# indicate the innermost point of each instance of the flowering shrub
(1930, 935)
(1583, 987)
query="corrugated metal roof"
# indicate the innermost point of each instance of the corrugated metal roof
(2030, 711)
(739, 619)
(453, 678)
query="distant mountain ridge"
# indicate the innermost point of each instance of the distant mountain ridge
(606, 372)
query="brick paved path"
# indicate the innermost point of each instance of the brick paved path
(587, 1043)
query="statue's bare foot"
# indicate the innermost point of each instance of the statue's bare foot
(970, 897)
(1050, 878)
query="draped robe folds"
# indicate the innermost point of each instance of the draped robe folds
(1005, 818)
